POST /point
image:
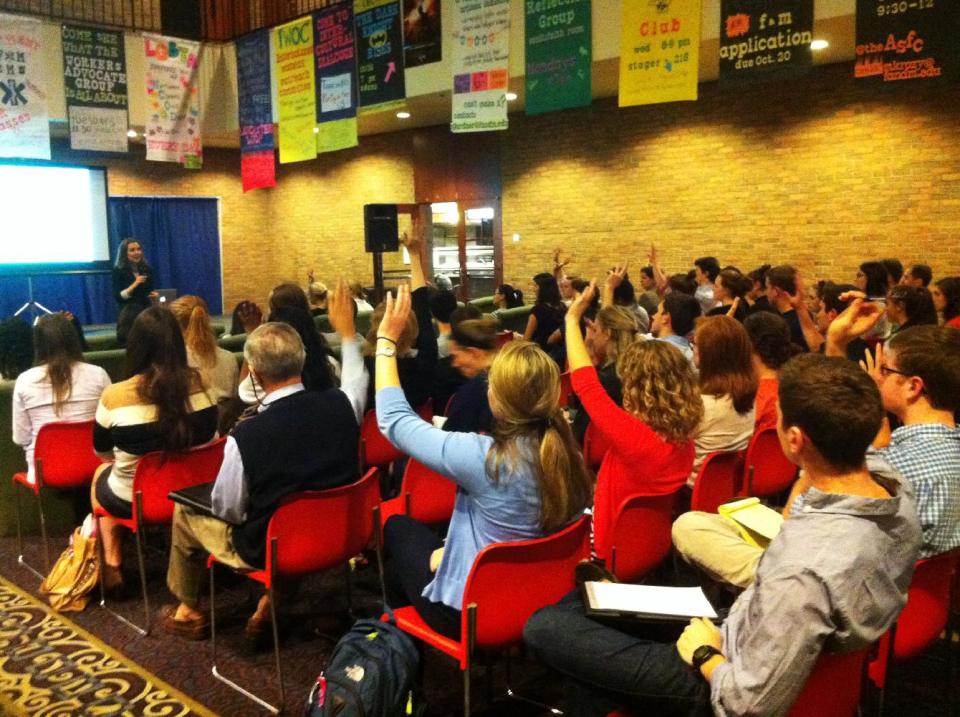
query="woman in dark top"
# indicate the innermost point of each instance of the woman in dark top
(132, 286)
(910, 306)
(731, 287)
(473, 346)
(546, 318)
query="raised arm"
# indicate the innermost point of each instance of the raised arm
(615, 277)
(856, 320)
(658, 276)
(811, 335)
(577, 354)
(354, 379)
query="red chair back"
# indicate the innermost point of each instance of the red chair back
(160, 473)
(640, 537)
(767, 470)
(318, 529)
(718, 481)
(429, 495)
(566, 388)
(64, 454)
(510, 581)
(833, 687)
(503, 338)
(375, 449)
(595, 446)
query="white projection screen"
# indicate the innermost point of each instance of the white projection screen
(54, 218)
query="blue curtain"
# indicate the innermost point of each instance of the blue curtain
(180, 239)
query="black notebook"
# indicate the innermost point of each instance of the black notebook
(197, 497)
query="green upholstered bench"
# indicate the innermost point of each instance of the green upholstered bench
(112, 361)
(515, 319)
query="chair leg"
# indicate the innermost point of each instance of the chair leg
(143, 631)
(348, 579)
(514, 695)
(20, 558)
(43, 533)
(466, 691)
(143, 580)
(276, 640)
(378, 546)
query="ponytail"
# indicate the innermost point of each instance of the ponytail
(194, 320)
(565, 485)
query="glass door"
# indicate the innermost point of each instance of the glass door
(464, 246)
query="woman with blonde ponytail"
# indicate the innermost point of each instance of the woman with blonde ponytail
(218, 368)
(524, 481)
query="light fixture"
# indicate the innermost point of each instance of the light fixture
(511, 96)
(819, 45)
(403, 115)
(316, 130)
(132, 133)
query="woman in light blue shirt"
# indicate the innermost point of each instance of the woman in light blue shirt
(524, 481)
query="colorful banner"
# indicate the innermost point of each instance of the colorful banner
(296, 92)
(765, 39)
(95, 86)
(380, 72)
(336, 106)
(914, 40)
(422, 36)
(481, 53)
(659, 51)
(254, 101)
(173, 100)
(24, 125)
(558, 55)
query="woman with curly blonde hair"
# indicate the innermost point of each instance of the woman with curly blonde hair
(651, 437)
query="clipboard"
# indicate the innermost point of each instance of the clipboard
(646, 602)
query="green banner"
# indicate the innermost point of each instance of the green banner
(558, 55)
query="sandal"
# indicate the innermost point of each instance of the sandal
(196, 629)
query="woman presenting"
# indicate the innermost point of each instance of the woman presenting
(132, 286)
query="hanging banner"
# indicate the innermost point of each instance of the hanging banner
(254, 101)
(914, 40)
(173, 100)
(765, 39)
(336, 106)
(24, 125)
(95, 86)
(422, 36)
(481, 52)
(380, 72)
(558, 55)
(659, 51)
(296, 93)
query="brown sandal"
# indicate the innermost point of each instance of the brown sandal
(197, 629)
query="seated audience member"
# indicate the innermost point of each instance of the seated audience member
(579, 285)
(785, 296)
(674, 321)
(299, 440)
(772, 348)
(447, 379)
(321, 368)
(728, 387)
(218, 367)
(473, 347)
(618, 291)
(78, 328)
(567, 290)
(831, 306)
(919, 275)
(442, 305)
(835, 578)
(681, 284)
(546, 318)
(651, 447)
(649, 298)
(506, 297)
(706, 269)
(894, 269)
(946, 299)
(730, 291)
(16, 347)
(525, 480)
(608, 337)
(360, 296)
(60, 386)
(910, 306)
(317, 297)
(161, 407)
(442, 282)
(245, 318)
(874, 281)
(757, 296)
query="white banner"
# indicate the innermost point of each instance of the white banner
(173, 100)
(481, 50)
(24, 124)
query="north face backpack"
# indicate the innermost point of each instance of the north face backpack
(372, 672)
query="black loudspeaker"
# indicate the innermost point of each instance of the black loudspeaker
(380, 232)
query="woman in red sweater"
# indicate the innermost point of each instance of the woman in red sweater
(651, 437)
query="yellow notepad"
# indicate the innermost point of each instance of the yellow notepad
(757, 523)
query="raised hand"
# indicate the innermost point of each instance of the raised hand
(580, 302)
(396, 315)
(340, 310)
(871, 364)
(616, 275)
(856, 320)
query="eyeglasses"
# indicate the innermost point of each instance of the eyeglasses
(886, 371)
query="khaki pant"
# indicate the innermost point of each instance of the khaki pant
(713, 543)
(194, 537)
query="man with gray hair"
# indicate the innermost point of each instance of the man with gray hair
(299, 440)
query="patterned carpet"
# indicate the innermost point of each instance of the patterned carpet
(51, 667)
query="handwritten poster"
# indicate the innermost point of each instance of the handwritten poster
(255, 107)
(95, 86)
(764, 40)
(24, 124)
(481, 53)
(336, 58)
(380, 71)
(422, 32)
(173, 100)
(296, 96)
(659, 51)
(558, 55)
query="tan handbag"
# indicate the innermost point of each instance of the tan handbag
(74, 575)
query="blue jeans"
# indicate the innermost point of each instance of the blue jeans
(611, 668)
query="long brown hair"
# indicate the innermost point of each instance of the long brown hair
(57, 346)
(725, 366)
(525, 401)
(194, 319)
(622, 324)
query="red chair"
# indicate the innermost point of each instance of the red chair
(503, 338)
(349, 516)
(595, 446)
(157, 475)
(507, 584)
(718, 481)
(640, 536)
(425, 495)
(63, 458)
(375, 449)
(768, 470)
(566, 388)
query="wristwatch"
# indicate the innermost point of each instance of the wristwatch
(702, 655)
(388, 351)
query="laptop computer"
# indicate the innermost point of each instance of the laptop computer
(197, 497)
(165, 297)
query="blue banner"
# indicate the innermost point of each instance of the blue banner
(253, 91)
(333, 37)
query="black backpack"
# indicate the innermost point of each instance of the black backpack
(372, 672)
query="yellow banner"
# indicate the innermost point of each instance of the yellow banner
(293, 67)
(659, 51)
(336, 135)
